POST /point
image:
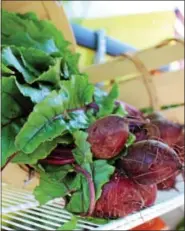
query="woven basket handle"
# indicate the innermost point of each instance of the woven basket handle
(146, 76)
(147, 80)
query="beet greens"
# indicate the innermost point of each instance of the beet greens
(102, 155)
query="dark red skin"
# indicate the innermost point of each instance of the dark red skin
(140, 133)
(108, 136)
(150, 162)
(162, 129)
(149, 193)
(121, 197)
(132, 111)
(179, 147)
(167, 131)
(168, 184)
(60, 156)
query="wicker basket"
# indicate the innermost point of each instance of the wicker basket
(133, 73)
(138, 86)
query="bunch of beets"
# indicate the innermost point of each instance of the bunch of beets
(151, 163)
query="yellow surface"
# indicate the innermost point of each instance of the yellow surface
(140, 31)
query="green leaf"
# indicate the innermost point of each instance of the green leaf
(35, 65)
(49, 188)
(76, 120)
(41, 152)
(25, 30)
(5, 71)
(120, 111)
(23, 39)
(99, 221)
(101, 175)
(38, 30)
(10, 60)
(11, 100)
(70, 225)
(131, 139)
(77, 203)
(65, 139)
(59, 172)
(74, 183)
(9, 132)
(47, 120)
(36, 95)
(36, 61)
(71, 61)
(52, 75)
(44, 123)
(78, 90)
(53, 183)
(14, 113)
(100, 171)
(99, 94)
(28, 15)
(107, 103)
(82, 152)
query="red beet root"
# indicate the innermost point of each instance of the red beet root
(149, 193)
(150, 162)
(121, 196)
(139, 132)
(179, 147)
(168, 184)
(108, 136)
(60, 156)
(163, 129)
(132, 111)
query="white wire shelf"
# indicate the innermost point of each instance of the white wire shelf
(20, 211)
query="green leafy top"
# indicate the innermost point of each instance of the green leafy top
(47, 105)
(52, 116)
(106, 102)
(41, 34)
(15, 110)
(33, 34)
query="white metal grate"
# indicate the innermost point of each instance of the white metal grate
(20, 211)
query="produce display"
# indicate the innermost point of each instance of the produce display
(104, 157)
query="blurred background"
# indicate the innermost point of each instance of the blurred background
(137, 24)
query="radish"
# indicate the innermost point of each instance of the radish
(108, 136)
(121, 196)
(150, 162)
